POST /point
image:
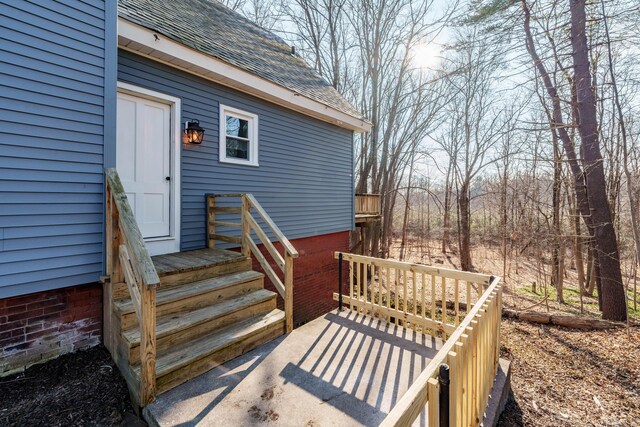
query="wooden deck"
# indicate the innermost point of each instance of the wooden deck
(193, 260)
(364, 218)
(367, 208)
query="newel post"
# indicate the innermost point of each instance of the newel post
(211, 224)
(246, 228)
(288, 291)
(115, 240)
(148, 344)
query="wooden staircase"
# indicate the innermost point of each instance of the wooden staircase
(210, 308)
(172, 317)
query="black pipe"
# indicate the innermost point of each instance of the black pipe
(340, 281)
(443, 378)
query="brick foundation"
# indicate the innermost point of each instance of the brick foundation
(315, 274)
(41, 326)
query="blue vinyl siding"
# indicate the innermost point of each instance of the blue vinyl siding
(304, 180)
(54, 57)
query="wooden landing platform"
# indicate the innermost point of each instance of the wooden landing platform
(365, 218)
(181, 262)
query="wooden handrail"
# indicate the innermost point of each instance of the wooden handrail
(397, 291)
(419, 268)
(128, 262)
(249, 225)
(142, 263)
(274, 228)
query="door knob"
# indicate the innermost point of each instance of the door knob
(168, 178)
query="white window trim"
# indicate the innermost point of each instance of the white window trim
(253, 136)
(170, 243)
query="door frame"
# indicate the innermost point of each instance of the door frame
(171, 243)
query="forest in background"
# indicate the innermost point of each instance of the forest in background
(509, 127)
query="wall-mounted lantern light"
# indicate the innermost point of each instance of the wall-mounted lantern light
(193, 131)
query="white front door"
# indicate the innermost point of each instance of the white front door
(144, 163)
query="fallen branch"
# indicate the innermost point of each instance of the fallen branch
(568, 321)
(575, 322)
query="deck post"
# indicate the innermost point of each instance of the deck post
(340, 281)
(444, 380)
(211, 225)
(288, 291)
(148, 345)
(246, 228)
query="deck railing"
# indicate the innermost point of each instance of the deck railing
(367, 204)
(128, 262)
(249, 225)
(461, 307)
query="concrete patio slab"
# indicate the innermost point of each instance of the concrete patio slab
(340, 369)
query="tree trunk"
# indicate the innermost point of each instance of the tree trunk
(446, 224)
(613, 297)
(556, 257)
(465, 228)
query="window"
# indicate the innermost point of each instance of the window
(238, 136)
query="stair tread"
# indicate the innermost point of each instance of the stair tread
(213, 342)
(165, 295)
(180, 262)
(172, 323)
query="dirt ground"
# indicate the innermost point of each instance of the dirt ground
(79, 389)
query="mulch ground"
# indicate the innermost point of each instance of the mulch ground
(80, 389)
(563, 377)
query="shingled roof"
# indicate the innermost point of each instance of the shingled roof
(215, 30)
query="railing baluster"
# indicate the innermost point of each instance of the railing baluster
(388, 292)
(396, 284)
(456, 291)
(350, 285)
(415, 293)
(374, 283)
(424, 299)
(365, 269)
(452, 361)
(433, 393)
(433, 304)
(405, 298)
(444, 302)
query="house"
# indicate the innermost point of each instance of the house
(177, 184)
(95, 86)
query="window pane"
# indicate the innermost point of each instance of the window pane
(237, 148)
(237, 127)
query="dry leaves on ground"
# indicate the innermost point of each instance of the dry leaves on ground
(563, 377)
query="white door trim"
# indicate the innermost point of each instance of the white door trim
(163, 245)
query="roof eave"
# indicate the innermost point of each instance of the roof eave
(146, 42)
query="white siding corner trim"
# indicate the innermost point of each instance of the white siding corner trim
(145, 42)
(163, 245)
